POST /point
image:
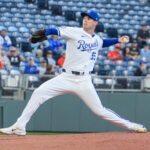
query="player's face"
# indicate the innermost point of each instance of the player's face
(89, 23)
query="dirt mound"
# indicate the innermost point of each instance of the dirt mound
(92, 141)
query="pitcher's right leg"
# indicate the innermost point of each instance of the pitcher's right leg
(47, 90)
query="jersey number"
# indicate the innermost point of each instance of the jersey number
(93, 56)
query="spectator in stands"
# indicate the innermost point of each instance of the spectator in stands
(43, 66)
(55, 46)
(134, 50)
(31, 68)
(126, 54)
(143, 35)
(61, 59)
(14, 57)
(38, 47)
(141, 71)
(49, 71)
(4, 59)
(5, 41)
(49, 58)
(1, 65)
(116, 54)
(145, 52)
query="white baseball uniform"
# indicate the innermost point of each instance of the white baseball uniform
(81, 54)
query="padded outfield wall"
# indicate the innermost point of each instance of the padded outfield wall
(68, 113)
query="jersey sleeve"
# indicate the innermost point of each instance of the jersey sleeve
(100, 43)
(67, 32)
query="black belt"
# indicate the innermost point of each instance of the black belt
(74, 72)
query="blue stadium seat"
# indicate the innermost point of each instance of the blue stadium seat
(21, 5)
(28, 20)
(128, 73)
(15, 19)
(8, 24)
(4, 72)
(32, 6)
(12, 29)
(37, 21)
(31, 25)
(4, 18)
(18, 15)
(15, 72)
(15, 10)
(43, 4)
(16, 34)
(7, 14)
(133, 64)
(4, 9)
(19, 24)
(131, 68)
(23, 29)
(41, 26)
(27, 35)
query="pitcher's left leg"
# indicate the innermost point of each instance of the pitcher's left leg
(90, 97)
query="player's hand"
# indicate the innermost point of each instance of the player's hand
(124, 39)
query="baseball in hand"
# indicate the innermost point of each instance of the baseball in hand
(126, 40)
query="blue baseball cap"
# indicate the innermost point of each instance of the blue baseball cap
(91, 13)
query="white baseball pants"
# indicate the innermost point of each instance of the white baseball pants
(78, 85)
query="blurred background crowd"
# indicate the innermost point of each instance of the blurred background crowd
(20, 18)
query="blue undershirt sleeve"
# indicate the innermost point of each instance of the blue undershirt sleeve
(109, 42)
(54, 31)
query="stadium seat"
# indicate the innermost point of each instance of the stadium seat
(26, 47)
(56, 10)
(8, 24)
(112, 32)
(98, 82)
(128, 73)
(3, 72)
(70, 15)
(43, 4)
(23, 29)
(30, 1)
(13, 40)
(15, 72)
(12, 29)
(113, 73)
(99, 27)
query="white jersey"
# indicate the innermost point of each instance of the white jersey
(5, 39)
(81, 50)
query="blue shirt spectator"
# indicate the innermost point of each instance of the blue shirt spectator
(54, 44)
(145, 52)
(31, 68)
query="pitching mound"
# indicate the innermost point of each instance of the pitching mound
(92, 141)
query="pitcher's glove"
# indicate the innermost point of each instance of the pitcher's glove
(38, 36)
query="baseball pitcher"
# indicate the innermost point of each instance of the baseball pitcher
(81, 53)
